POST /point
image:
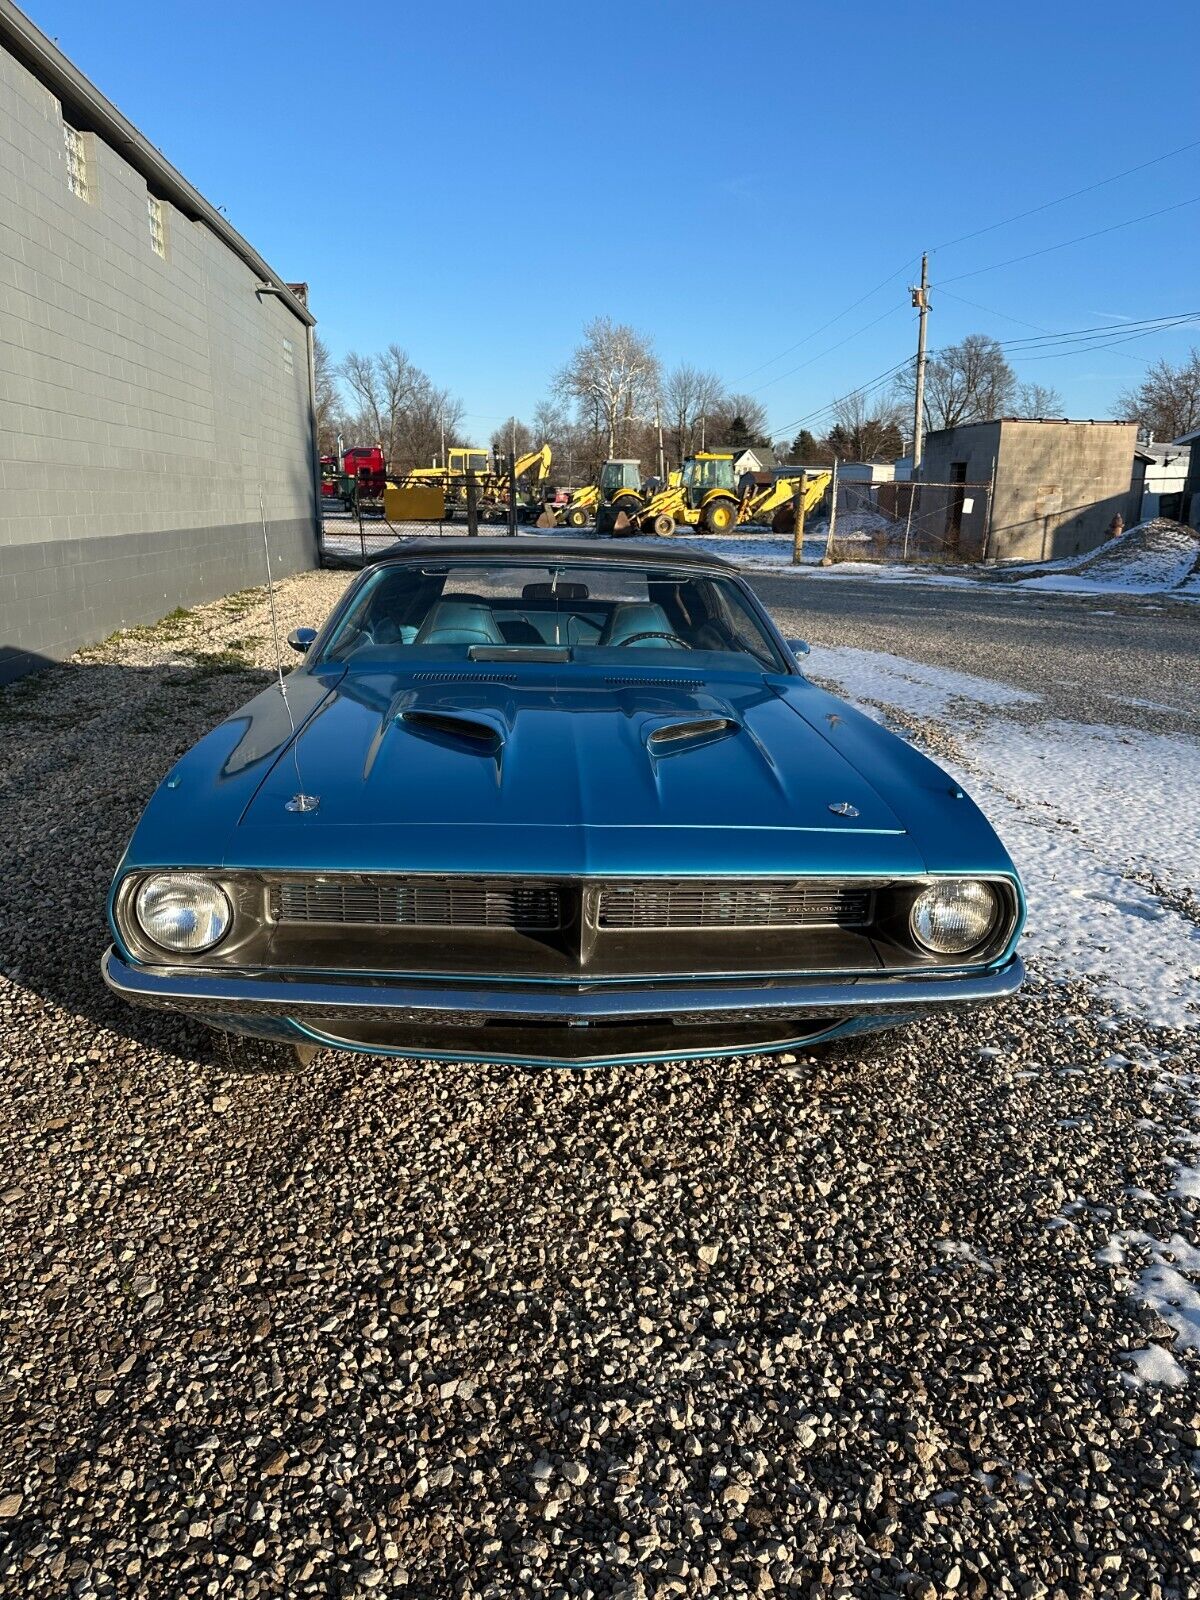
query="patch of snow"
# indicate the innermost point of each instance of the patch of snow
(1080, 808)
(1151, 558)
(1165, 1286)
(910, 686)
(1153, 1365)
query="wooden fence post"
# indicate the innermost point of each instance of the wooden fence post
(798, 533)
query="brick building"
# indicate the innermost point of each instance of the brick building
(155, 376)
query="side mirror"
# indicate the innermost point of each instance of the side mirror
(301, 639)
(798, 647)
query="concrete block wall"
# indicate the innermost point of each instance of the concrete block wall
(145, 402)
(1058, 485)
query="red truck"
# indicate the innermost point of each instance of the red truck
(364, 474)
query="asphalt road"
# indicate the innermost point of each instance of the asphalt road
(1113, 659)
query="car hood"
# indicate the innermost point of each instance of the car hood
(461, 772)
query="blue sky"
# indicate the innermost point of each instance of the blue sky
(476, 183)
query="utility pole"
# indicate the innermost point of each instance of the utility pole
(920, 299)
(662, 470)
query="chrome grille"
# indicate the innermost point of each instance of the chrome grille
(699, 904)
(419, 903)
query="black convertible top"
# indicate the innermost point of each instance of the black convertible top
(538, 550)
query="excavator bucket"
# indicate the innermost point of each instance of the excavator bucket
(621, 522)
(547, 518)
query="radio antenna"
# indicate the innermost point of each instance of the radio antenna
(299, 801)
(274, 615)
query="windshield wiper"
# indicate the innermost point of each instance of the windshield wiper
(519, 652)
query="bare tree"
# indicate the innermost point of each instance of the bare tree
(866, 430)
(399, 407)
(429, 423)
(514, 435)
(328, 400)
(553, 426)
(736, 420)
(967, 382)
(1038, 400)
(689, 397)
(382, 384)
(1166, 404)
(615, 370)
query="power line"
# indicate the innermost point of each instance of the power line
(1103, 344)
(1076, 341)
(1046, 250)
(1146, 324)
(1074, 195)
(978, 232)
(780, 376)
(1023, 322)
(882, 284)
(861, 389)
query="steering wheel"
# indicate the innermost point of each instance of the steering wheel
(655, 633)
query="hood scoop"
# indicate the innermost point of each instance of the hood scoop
(686, 733)
(482, 731)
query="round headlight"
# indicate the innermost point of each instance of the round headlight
(954, 915)
(182, 912)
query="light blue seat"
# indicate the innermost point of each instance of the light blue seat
(459, 622)
(632, 617)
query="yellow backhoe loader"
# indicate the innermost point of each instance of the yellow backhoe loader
(577, 513)
(492, 486)
(706, 498)
(619, 491)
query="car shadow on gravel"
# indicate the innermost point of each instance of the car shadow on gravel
(84, 747)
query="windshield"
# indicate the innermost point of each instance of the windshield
(561, 613)
(619, 475)
(716, 473)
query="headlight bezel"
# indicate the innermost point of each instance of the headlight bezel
(178, 882)
(985, 934)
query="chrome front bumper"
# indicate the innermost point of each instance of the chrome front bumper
(443, 1011)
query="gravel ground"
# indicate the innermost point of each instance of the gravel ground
(826, 1326)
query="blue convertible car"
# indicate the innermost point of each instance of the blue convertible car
(542, 802)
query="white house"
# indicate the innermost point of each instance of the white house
(1162, 470)
(758, 458)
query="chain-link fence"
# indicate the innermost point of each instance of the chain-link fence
(903, 521)
(359, 525)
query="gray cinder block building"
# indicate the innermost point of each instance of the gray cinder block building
(1058, 485)
(155, 376)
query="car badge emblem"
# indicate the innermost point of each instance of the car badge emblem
(303, 802)
(843, 808)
